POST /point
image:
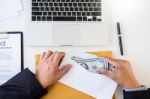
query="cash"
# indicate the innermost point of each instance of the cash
(93, 64)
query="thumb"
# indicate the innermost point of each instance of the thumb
(64, 70)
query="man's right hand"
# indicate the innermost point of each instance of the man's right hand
(121, 73)
(48, 71)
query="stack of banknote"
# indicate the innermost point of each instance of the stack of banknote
(93, 64)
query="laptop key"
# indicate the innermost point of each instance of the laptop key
(84, 18)
(81, 8)
(60, 4)
(70, 4)
(50, 4)
(46, 4)
(97, 0)
(45, 13)
(79, 18)
(64, 13)
(98, 4)
(62, 8)
(99, 19)
(33, 18)
(94, 18)
(65, 4)
(54, 13)
(64, 18)
(85, 9)
(52, 8)
(89, 19)
(47, 8)
(94, 4)
(73, 13)
(39, 18)
(69, 13)
(57, 9)
(66, 9)
(33, 0)
(89, 4)
(49, 18)
(84, 4)
(49, 13)
(79, 13)
(75, 4)
(90, 9)
(80, 4)
(59, 13)
(41, 8)
(84, 14)
(96, 13)
(88, 13)
(43, 18)
(71, 9)
(34, 4)
(97, 9)
(36, 13)
(35, 9)
(76, 9)
(40, 4)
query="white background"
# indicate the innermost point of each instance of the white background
(134, 16)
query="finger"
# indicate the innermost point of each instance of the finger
(42, 56)
(48, 54)
(105, 72)
(114, 62)
(64, 70)
(57, 59)
(111, 61)
(51, 57)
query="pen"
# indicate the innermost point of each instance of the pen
(120, 38)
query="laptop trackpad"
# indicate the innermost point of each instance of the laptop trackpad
(66, 34)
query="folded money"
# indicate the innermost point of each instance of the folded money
(93, 64)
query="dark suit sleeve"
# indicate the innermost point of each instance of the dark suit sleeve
(143, 94)
(23, 86)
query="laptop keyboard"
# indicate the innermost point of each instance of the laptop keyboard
(66, 10)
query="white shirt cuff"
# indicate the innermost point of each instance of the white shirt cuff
(136, 89)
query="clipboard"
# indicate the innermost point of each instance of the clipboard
(11, 55)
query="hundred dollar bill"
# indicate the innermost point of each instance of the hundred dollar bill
(93, 63)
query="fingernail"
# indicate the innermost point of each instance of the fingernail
(69, 65)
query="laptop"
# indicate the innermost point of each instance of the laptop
(67, 22)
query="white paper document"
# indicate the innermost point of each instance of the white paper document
(9, 8)
(10, 56)
(93, 84)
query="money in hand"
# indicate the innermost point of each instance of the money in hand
(92, 64)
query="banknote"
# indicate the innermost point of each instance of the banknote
(92, 64)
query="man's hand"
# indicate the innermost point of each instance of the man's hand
(121, 73)
(48, 71)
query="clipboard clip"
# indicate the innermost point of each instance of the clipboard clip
(3, 35)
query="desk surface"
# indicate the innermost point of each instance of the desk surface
(135, 23)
